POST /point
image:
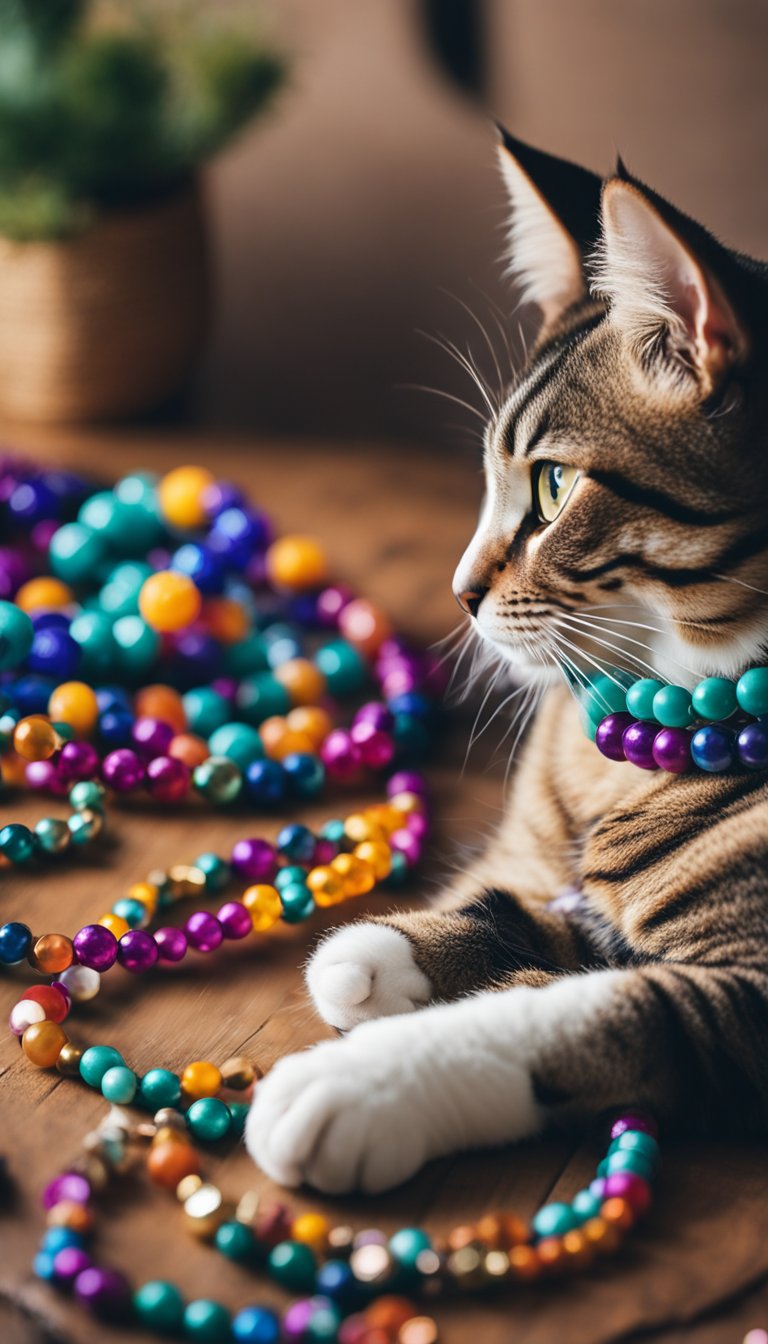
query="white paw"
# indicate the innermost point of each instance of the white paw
(365, 971)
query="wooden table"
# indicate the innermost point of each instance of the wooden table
(394, 520)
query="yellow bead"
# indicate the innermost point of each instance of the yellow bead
(74, 702)
(263, 905)
(297, 563)
(378, 854)
(312, 1229)
(43, 1042)
(358, 876)
(114, 923)
(200, 1079)
(35, 738)
(169, 601)
(303, 681)
(359, 827)
(407, 802)
(181, 494)
(45, 593)
(327, 886)
(145, 892)
(388, 818)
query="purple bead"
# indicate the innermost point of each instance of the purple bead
(96, 947)
(325, 850)
(221, 495)
(399, 681)
(752, 746)
(14, 571)
(105, 1292)
(672, 750)
(407, 781)
(42, 534)
(234, 920)
(78, 760)
(226, 687)
(70, 1185)
(375, 713)
(407, 844)
(417, 824)
(330, 604)
(43, 777)
(298, 1318)
(254, 859)
(638, 742)
(635, 1120)
(340, 755)
(370, 1236)
(437, 675)
(628, 1185)
(168, 779)
(597, 1187)
(376, 747)
(171, 943)
(69, 1262)
(204, 931)
(609, 734)
(122, 770)
(151, 737)
(137, 951)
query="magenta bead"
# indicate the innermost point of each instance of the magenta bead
(105, 1292)
(234, 920)
(399, 680)
(69, 1262)
(609, 735)
(330, 604)
(297, 1319)
(376, 746)
(70, 1185)
(254, 859)
(78, 760)
(628, 1185)
(226, 687)
(325, 850)
(638, 742)
(672, 750)
(639, 1120)
(375, 713)
(417, 824)
(137, 951)
(96, 947)
(171, 943)
(407, 781)
(151, 737)
(341, 756)
(122, 770)
(167, 779)
(43, 777)
(407, 844)
(204, 932)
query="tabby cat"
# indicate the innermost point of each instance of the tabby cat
(625, 519)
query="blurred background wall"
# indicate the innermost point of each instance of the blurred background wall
(372, 186)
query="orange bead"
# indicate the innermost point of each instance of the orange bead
(551, 1254)
(190, 749)
(42, 1043)
(364, 625)
(43, 594)
(327, 887)
(407, 803)
(13, 769)
(312, 1229)
(388, 818)
(169, 1162)
(35, 738)
(225, 619)
(169, 601)
(389, 1314)
(75, 703)
(180, 495)
(114, 923)
(524, 1263)
(200, 1079)
(263, 905)
(52, 953)
(311, 720)
(359, 826)
(604, 1237)
(491, 1232)
(357, 875)
(146, 892)
(378, 854)
(297, 563)
(67, 1213)
(515, 1230)
(578, 1250)
(617, 1212)
(303, 681)
(279, 741)
(159, 701)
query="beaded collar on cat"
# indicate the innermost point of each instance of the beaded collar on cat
(719, 726)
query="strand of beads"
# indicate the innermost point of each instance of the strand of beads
(352, 1283)
(52, 837)
(720, 725)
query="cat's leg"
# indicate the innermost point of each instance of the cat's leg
(367, 1111)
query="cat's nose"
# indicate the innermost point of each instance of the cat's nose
(470, 600)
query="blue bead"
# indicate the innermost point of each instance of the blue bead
(42, 1265)
(712, 748)
(305, 773)
(236, 534)
(114, 727)
(296, 842)
(752, 746)
(31, 694)
(410, 702)
(266, 783)
(15, 942)
(335, 1280)
(58, 1238)
(109, 698)
(33, 501)
(201, 565)
(256, 1325)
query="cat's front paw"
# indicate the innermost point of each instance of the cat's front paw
(365, 971)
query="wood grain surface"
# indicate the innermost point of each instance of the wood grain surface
(394, 521)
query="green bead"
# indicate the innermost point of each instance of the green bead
(640, 697)
(585, 1205)
(206, 710)
(52, 835)
(84, 827)
(17, 843)
(552, 1220)
(751, 690)
(238, 1112)
(629, 1161)
(217, 871)
(65, 730)
(87, 793)
(672, 707)
(261, 696)
(16, 635)
(408, 1243)
(75, 552)
(290, 876)
(297, 901)
(160, 1088)
(207, 1321)
(120, 594)
(137, 643)
(96, 1060)
(218, 779)
(343, 667)
(119, 1085)
(160, 1306)
(237, 741)
(133, 912)
(292, 1264)
(246, 657)
(604, 695)
(92, 630)
(714, 698)
(636, 1141)
(235, 1240)
(209, 1119)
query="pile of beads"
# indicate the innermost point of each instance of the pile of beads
(351, 1282)
(719, 725)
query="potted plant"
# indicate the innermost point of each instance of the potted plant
(107, 115)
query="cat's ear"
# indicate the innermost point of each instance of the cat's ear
(662, 277)
(555, 223)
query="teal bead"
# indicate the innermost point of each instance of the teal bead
(714, 698)
(399, 869)
(207, 1321)
(208, 1119)
(137, 644)
(218, 779)
(407, 1245)
(133, 912)
(246, 657)
(589, 726)
(585, 1205)
(261, 696)
(343, 667)
(120, 594)
(101, 513)
(297, 901)
(92, 630)
(629, 1161)
(65, 730)
(206, 710)
(119, 1085)
(553, 1220)
(602, 1168)
(16, 635)
(637, 1141)
(290, 876)
(217, 871)
(640, 698)
(84, 826)
(323, 1325)
(235, 1240)
(160, 1306)
(131, 521)
(238, 1113)
(751, 690)
(75, 552)
(604, 695)
(96, 1060)
(87, 793)
(334, 831)
(140, 487)
(292, 1264)
(17, 843)
(237, 741)
(160, 1088)
(52, 835)
(672, 707)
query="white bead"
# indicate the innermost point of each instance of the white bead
(82, 982)
(24, 1014)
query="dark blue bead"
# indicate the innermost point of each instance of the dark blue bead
(201, 565)
(335, 1279)
(115, 727)
(305, 773)
(303, 610)
(752, 746)
(296, 842)
(266, 783)
(112, 697)
(237, 533)
(256, 1325)
(15, 941)
(50, 620)
(33, 501)
(31, 694)
(712, 748)
(410, 702)
(54, 652)
(220, 496)
(197, 659)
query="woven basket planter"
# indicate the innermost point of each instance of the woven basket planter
(106, 324)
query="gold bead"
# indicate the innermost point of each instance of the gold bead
(205, 1210)
(168, 1134)
(239, 1072)
(187, 1186)
(371, 1264)
(248, 1208)
(185, 880)
(341, 1239)
(168, 1118)
(466, 1267)
(68, 1062)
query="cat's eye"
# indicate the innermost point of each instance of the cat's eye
(552, 484)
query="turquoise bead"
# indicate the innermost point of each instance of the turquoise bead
(235, 1240)
(17, 842)
(292, 1264)
(160, 1088)
(672, 707)
(75, 552)
(207, 1321)
(589, 726)
(640, 697)
(237, 741)
(334, 831)
(137, 643)
(246, 657)
(83, 826)
(261, 696)
(586, 1205)
(342, 666)
(751, 691)
(714, 698)
(134, 913)
(16, 635)
(290, 876)
(407, 1245)
(629, 1161)
(552, 1220)
(92, 630)
(297, 901)
(206, 710)
(96, 1060)
(120, 594)
(140, 487)
(399, 869)
(208, 1119)
(604, 695)
(87, 793)
(602, 1168)
(238, 1114)
(323, 1326)
(637, 1141)
(52, 835)
(42, 1265)
(160, 1306)
(217, 871)
(119, 1085)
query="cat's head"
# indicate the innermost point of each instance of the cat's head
(627, 466)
